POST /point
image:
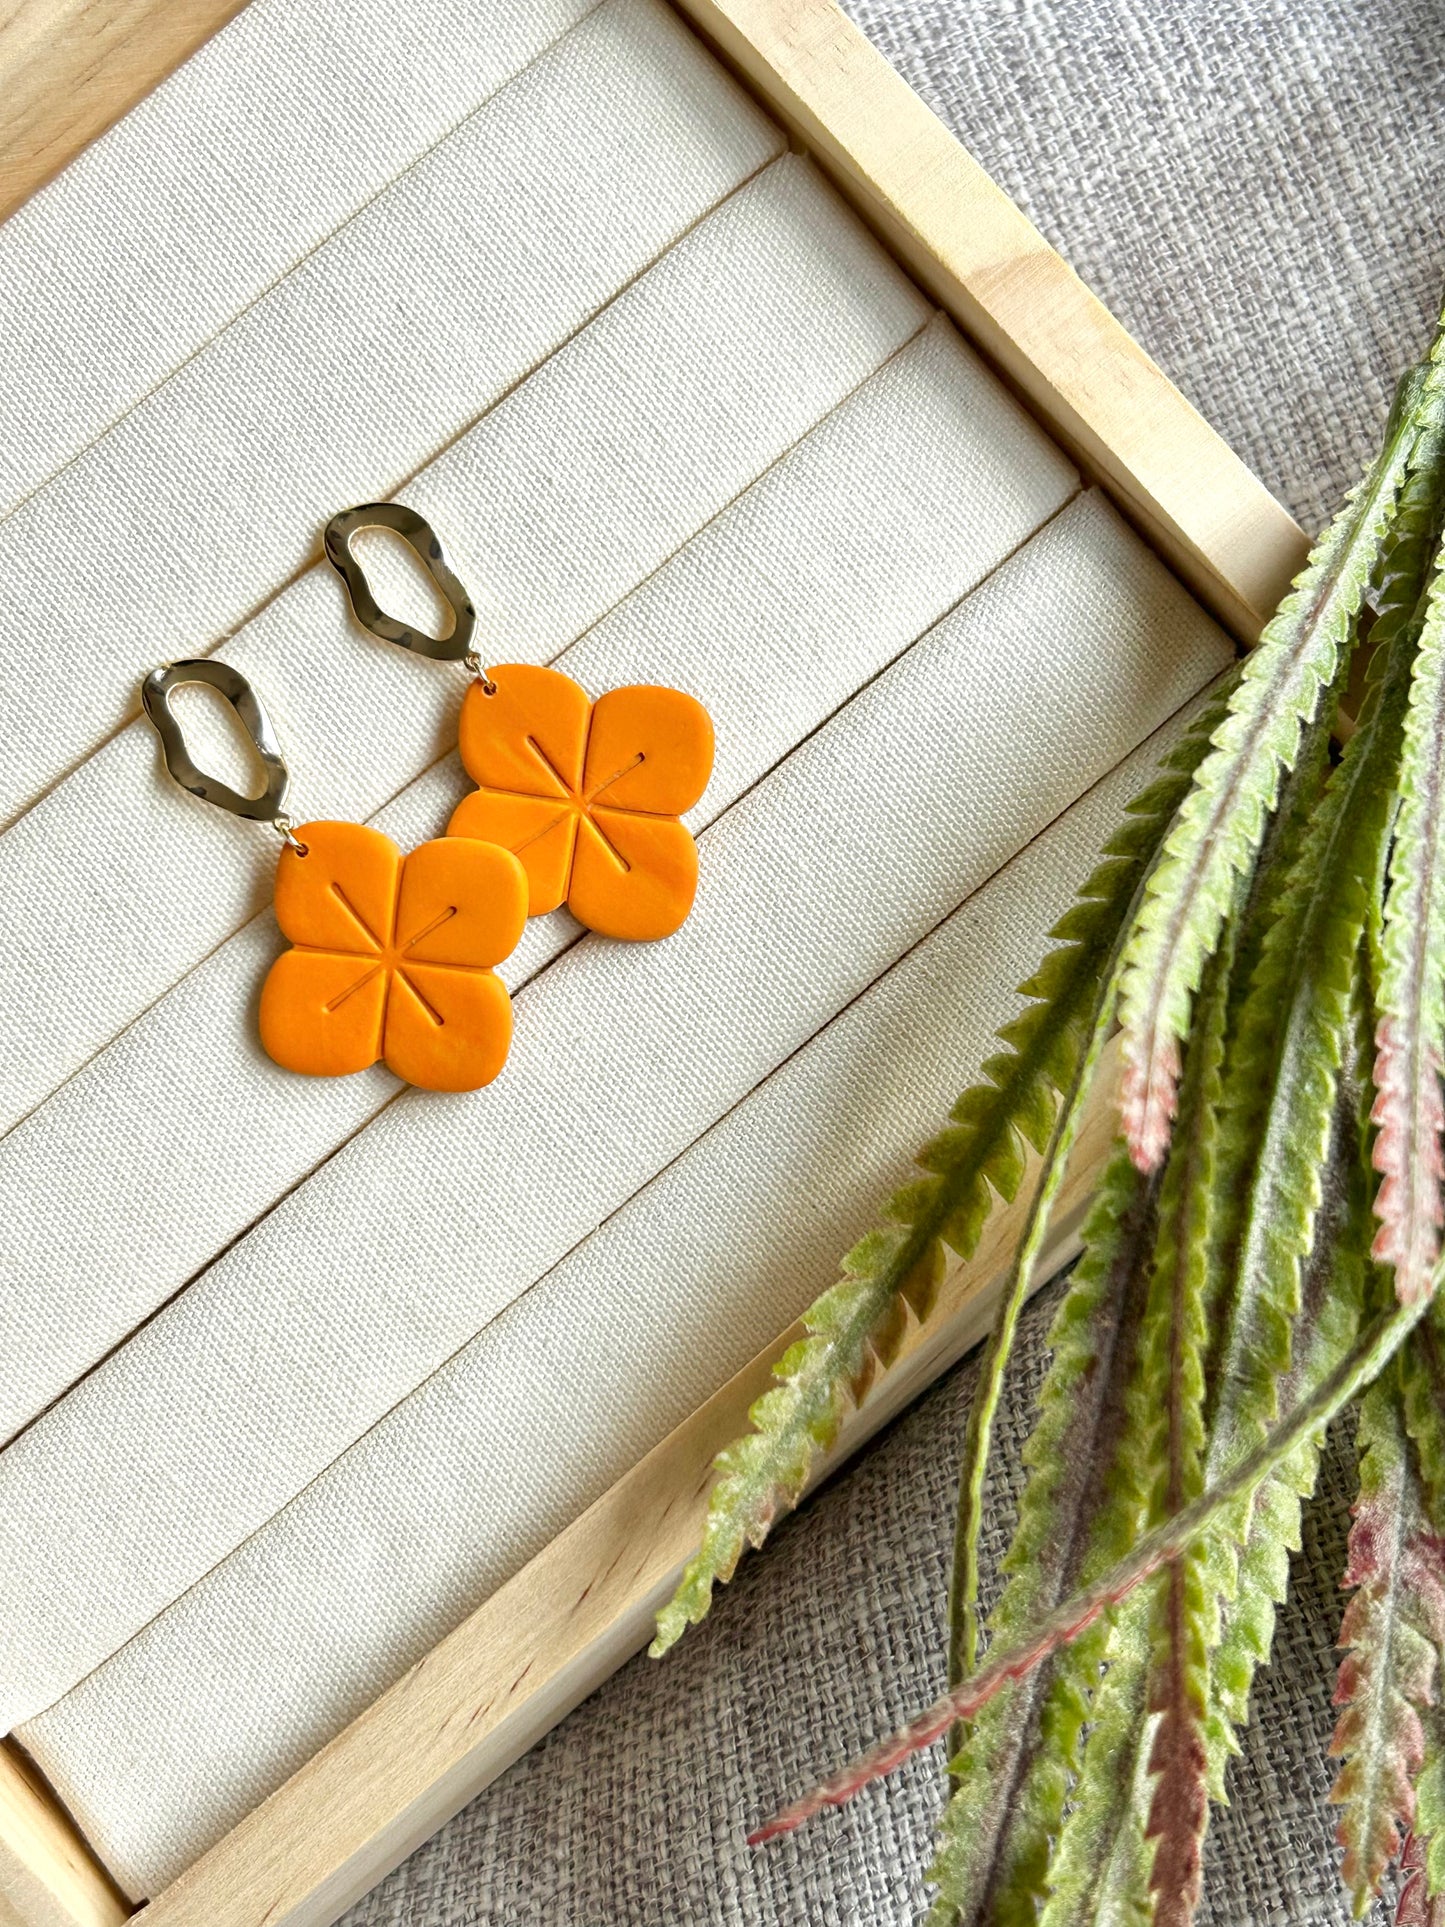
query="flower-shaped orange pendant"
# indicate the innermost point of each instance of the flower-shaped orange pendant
(588, 795)
(392, 957)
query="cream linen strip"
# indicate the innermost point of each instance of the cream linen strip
(273, 134)
(384, 343)
(230, 1690)
(426, 1225)
(558, 502)
(135, 1173)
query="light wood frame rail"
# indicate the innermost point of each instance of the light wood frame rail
(544, 1640)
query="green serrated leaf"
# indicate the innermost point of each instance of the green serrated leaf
(1411, 986)
(1392, 1631)
(1091, 1037)
(1101, 1869)
(1170, 1403)
(1331, 1302)
(1302, 657)
(854, 1328)
(1078, 1511)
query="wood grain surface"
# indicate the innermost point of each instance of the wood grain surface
(966, 244)
(48, 1877)
(570, 1617)
(68, 68)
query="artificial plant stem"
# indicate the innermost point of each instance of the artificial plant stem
(963, 1591)
(963, 1586)
(1080, 1508)
(1364, 1361)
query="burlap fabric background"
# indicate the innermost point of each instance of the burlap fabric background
(1256, 187)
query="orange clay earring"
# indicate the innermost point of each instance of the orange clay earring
(588, 795)
(391, 956)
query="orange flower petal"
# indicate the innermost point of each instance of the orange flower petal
(461, 902)
(650, 749)
(529, 736)
(321, 1013)
(538, 830)
(633, 876)
(342, 894)
(447, 1029)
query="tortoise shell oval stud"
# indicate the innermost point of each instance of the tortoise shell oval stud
(588, 796)
(424, 542)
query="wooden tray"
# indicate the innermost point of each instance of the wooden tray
(585, 1604)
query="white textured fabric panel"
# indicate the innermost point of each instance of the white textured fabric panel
(563, 497)
(432, 1220)
(149, 1160)
(385, 342)
(273, 134)
(224, 1695)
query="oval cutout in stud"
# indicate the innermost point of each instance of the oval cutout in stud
(424, 542)
(250, 712)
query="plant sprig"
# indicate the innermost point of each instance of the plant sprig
(1264, 1249)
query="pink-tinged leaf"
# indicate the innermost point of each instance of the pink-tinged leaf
(1148, 1101)
(1184, 1290)
(1361, 1365)
(1417, 1907)
(1283, 697)
(1391, 1632)
(1410, 1117)
(1179, 1809)
(1410, 1036)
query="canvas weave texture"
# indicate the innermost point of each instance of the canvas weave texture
(367, 1277)
(214, 1703)
(114, 327)
(697, 383)
(1256, 188)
